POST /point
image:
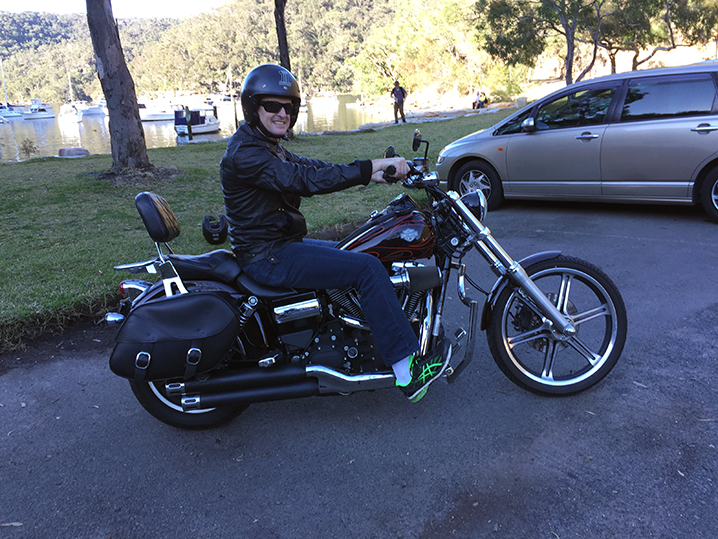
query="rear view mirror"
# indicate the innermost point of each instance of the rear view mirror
(416, 143)
(528, 125)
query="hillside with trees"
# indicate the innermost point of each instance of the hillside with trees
(40, 51)
(355, 46)
(336, 46)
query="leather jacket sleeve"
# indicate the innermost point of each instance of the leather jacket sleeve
(263, 184)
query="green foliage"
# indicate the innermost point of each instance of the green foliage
(31, 30)
(427, 44)
(518, 31)
(511, 31)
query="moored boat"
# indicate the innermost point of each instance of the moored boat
(38, 111)
(155, 112)
(89, 109)
(202, 121)
(8, 112)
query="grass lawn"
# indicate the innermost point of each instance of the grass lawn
(62, 228)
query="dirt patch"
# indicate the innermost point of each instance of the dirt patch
(79, 337)
(140, 176)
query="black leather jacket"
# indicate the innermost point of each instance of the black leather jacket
(263, 184)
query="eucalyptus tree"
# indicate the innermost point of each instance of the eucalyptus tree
(644, 28)
(127, 138)
(427, 43)
(279, 7)
(518, 31)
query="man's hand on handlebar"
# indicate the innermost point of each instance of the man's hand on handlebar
(389, 170)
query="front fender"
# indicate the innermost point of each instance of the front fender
(502, 282)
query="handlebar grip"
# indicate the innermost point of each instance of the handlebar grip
(389, 174)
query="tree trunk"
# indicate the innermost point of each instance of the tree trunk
(279, 6)
(127, 138)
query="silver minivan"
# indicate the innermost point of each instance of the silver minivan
(645, 136)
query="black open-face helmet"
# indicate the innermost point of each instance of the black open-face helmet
(268, 80)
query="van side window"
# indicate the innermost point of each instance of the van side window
(666, 97)
(581, 108)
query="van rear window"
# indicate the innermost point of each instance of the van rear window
(665, 97)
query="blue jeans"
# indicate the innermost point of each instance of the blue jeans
(318, 264)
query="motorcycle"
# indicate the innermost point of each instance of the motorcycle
(205, 341)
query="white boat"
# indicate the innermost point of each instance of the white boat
(89, 109)
(8, 112)
(68, 111)
(202, 121)
(155, 113)
(38, 111)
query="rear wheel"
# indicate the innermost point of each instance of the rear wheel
(479, 176)
(168, 408)
(709, 194)
(535, 357)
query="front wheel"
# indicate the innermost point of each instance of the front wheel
(168, 408)
(534, 357)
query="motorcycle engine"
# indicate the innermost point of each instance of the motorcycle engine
(344, 349)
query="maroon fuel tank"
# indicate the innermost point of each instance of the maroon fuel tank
(400, 232)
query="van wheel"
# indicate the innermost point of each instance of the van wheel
(477, 175)
(709, 194)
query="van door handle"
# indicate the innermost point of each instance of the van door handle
(586, 136)
(705, 128)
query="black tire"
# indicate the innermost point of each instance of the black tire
(540, 361)
(168, 409)
(476, 175)
(709, 194)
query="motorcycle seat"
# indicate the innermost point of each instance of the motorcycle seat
(221, 265)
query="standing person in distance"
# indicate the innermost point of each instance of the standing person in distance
(263, 183)
(399, 95)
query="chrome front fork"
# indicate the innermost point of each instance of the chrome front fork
(503, 265)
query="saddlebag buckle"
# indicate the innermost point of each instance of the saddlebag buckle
(142, 360)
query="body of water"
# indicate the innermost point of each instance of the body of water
(342, 113)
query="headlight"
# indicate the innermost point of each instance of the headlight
(476, 202)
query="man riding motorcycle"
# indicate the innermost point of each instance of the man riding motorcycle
(263, 184)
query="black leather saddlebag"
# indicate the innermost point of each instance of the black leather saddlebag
(175, 337)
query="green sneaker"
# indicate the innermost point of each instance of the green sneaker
(425, 370)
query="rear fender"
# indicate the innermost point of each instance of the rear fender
(503, 282)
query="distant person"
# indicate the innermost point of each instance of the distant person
(399, 95)
(482, 101)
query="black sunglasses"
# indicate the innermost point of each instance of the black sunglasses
(275, 106)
